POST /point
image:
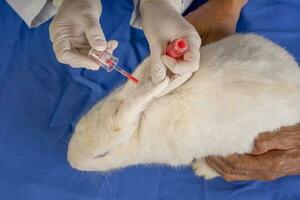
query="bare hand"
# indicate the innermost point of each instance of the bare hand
(274, 155)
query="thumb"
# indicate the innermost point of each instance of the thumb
(95, 36)
(158, 70)
(111, 46)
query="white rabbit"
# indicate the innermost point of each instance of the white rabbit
(245, 85)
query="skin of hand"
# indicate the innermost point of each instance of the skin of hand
(275, 154)
(162, 23)
(75, 30)
(216, 19)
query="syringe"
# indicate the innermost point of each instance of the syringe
(106, 60)
(109, 62)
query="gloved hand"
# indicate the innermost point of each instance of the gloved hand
(162, 23)
(75, 30)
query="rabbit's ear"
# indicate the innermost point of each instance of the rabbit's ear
(130, 110)
(128, 114)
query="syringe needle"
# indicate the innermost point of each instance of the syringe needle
(129, 76)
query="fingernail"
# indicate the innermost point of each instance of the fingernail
(102, 42)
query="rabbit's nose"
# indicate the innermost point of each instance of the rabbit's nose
(78, 156)
(80, 161)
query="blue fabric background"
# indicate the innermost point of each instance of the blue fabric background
(41, 101)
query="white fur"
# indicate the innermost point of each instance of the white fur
(245, 85)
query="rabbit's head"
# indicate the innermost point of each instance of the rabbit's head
(97, 138)
(108, 136)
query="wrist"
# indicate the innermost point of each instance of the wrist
(231, 5)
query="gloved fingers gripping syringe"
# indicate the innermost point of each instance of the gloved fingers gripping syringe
(106, 60)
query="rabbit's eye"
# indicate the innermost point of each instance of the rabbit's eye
(101, 155)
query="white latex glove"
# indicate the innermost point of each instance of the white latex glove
(75, 30)
(162, 23)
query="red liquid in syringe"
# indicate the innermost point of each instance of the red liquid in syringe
(109, 62)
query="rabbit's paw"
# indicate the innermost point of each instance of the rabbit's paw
(202, 169)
